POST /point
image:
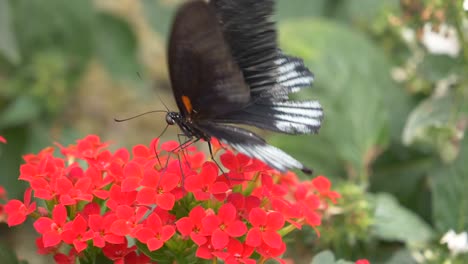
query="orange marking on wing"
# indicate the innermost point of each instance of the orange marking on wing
(187, 103)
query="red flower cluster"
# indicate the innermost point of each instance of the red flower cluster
(107, 202)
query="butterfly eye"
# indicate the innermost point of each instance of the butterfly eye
(170, 119)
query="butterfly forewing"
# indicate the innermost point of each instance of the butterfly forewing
(205, 78)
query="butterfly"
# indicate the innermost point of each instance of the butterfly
(226, 69)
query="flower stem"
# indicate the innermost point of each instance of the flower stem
(286, 230)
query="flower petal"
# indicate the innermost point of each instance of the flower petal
(272, 239)
(219, 239)
(254, 237)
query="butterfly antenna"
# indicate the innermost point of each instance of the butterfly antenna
(162, 102)
(142, 114)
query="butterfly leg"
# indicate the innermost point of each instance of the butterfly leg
(186, 144)
(213, 158)
(182, 147)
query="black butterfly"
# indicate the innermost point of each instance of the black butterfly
(226, 68)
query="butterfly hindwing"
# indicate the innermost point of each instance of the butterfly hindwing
(290, 117)
(252, 145)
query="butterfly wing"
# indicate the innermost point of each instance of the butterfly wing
(205, 78)
(248, 28)
(253, 146)
(270, 74)
(226, 67)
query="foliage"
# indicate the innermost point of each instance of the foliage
(45, 49)
(396, 113)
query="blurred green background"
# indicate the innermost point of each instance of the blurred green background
(391, 75)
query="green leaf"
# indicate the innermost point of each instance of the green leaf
(317, 151)
(8, 44)
(450, 196)
(433, 123)
(159, 14)
(117, 47)
(301, 8)
(327, 257)
(10, 158)
(64, 26)
(355, 89)
(23, 110)
(403, 172)
(184, 253)
(363, 11)
(436, 67)
(396, 223)
(324, 257)
(402, 256)
(8, 256)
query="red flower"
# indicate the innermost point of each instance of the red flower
(133, 258)
(206, 251)
(154, 234)
(51, 229)
(117, 197)
(61, 258)
(240, 166)
(3, 193)
(36, 159)
(362, 261)
(146, 153)
(243, 204)
(90, 146)
(270, 252)
(323, 185)
(192, 225)
(117, 252)
(128, 220)
(3, 140)
(158, 189)
(309, 204)
(170, 146)
(205, 184)
(76, 233)
(43, 166)
(265, 227)
(17, 211)
(100, 226)
(216, 145)
(99, 181)
(236, 253)
(223, 226)
(133, 174)
(71, 193)
(112, 193)
(41, 249)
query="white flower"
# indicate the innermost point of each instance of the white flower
(445, 41)
(408, 34)
(399, 74)
(456, 243)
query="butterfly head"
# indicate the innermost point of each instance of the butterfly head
(173, 118)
